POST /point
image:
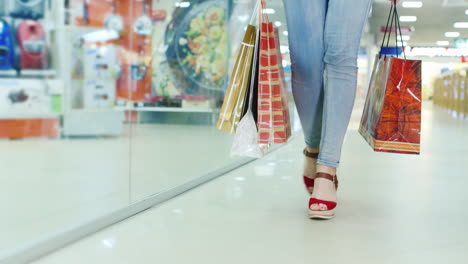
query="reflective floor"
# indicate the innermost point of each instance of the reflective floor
(81, 179)
(392, 209)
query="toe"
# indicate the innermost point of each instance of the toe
(318, 207)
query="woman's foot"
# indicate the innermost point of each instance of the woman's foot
(310, 168)
(323, 200)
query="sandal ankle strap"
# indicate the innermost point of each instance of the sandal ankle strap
(310, 154)
(326, 176)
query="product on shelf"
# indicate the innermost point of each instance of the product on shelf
(32, 44)
(196, 101)
(136, 53)
(159, 15)
(138, 69)
(101, 62)
(18, 96)
(99, 94)
(143, 24)
(114, 21)
(7, 57)
(95, 70)
(24, 96)
(26, 9)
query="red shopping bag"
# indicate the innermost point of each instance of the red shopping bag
(391, 121)
(273, 113)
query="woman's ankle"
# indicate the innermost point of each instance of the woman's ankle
(326, 169)
(312, 150)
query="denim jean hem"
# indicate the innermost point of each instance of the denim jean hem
(314, 145)
(328, 164)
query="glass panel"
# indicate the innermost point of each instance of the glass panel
(194, 45)
(95, 91)
(174, 138)
(63, 145)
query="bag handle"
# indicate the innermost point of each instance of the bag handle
(393, 20)
(386, 28)
(254, 70)
(399, 29)
(257, 11)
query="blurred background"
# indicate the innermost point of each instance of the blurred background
(105, 103)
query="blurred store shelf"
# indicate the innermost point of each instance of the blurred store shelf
(165, 109)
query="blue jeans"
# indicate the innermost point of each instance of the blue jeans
(324, 40)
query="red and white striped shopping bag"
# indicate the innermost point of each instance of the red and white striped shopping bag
(273, 112)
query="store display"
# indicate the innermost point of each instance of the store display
(19, 96)
(185, 55)
(114, 21)
(143, 24)
(93, 13)
(32, 44)
(96, 68)
(7, 59)
(99, 94)
(26, 109)
(135, 82)
(197, 51)
(159, 15)
(139, 69)
(29, 101)
(196, 101)
(451, 91)
(99, 62)
(25, 9)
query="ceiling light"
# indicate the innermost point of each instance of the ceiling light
(406, 38)
(285, 33)
(452, 34)
(461, 25)
(269, 11)
(443, 43)
(412, 4)
(402, 44)
(278, 24)
(182, 4)
(408, 18)
(466, 12)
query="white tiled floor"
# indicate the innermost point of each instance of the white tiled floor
(392, 209)
(47, 186)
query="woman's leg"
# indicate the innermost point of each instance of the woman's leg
(306, 21)
(343, 30)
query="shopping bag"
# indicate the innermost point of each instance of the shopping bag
(391, 120)
(235, 98)
(273, 114)
(245, 141)
(284, 94)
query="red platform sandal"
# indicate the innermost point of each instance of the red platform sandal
(330, 212)
(308, 182)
